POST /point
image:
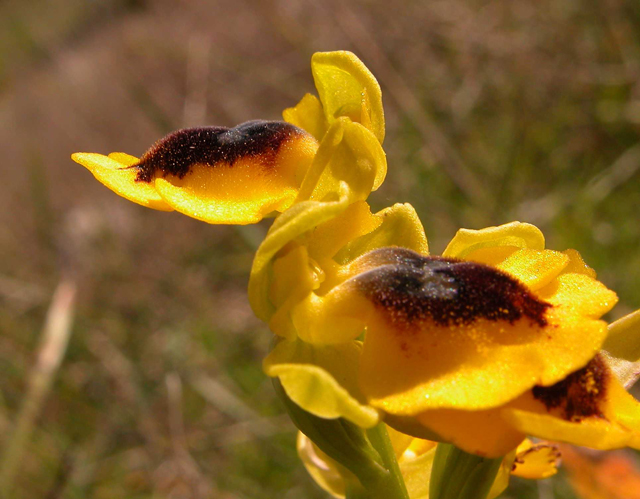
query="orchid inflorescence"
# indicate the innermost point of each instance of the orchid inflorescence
(496, 340)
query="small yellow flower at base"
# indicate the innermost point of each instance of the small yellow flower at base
(536, 461)
(213, 174)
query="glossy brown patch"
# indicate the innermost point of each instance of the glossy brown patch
(578, 395)
(409, 287)
(179, 151)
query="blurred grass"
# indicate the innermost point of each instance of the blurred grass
(512, 109)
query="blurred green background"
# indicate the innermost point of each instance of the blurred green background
(497, 111)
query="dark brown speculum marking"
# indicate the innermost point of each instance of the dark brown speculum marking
(408, 288)
(580, 394)
(178, 152)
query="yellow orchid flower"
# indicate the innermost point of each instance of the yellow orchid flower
(240, 175)
(214, 174)
(472, 348)
(415, 458)
(309, 360)
(496, 339)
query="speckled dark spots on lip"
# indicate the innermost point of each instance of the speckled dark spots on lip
(409, 288)
(578, 395)
(177, 153)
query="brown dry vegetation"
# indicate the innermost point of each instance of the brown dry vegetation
(501, 110)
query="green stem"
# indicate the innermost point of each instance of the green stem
(368, 456)
(392, 485)
(459, 475)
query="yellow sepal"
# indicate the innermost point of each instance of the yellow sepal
(579, 294)
(348, 153)
(577, 265)
(347, 88)
(322, 380)
(308, 115)
(294, 222)
(399, 225)
(356, 221)
(514, 234)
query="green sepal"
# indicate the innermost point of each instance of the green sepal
(368, 455)
(622, 348)
(322, 379)
(623, 340)
(342, 441)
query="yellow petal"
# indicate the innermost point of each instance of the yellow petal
(618, 427)
(114, 172)
(244, 191)
(347, 88)
(331, 236)
(331, 319)
(624, 338)
(413, 362)
(348, 153)
(293, 279)
(399, 225)
(594, 433)
(322, 380)
(483, 433)
(514, 234)
(300, 218)
(577, 265)
(308, 115)
(534, 268)
(579, 294)
(536, 461)
(369, 157)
